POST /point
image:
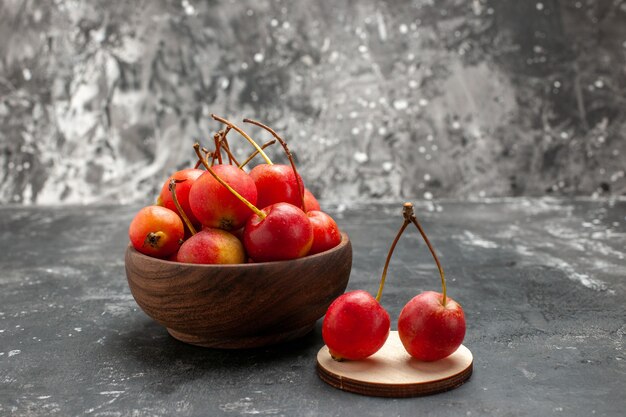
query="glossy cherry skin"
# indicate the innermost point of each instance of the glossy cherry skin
(326, 234)
(212, 246)
(276, 184)
(156, 231)
(188, 177)
(355, 326)
(310, 202)
(429, 330)
(285, 233)
(214, 205)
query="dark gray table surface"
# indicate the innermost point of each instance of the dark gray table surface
(542, 283)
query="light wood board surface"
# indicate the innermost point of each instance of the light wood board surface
(392, 372)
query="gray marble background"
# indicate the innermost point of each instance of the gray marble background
(100, 100)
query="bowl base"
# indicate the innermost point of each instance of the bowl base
(240, 343)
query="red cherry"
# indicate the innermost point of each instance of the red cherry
(214, 205)
(156, 231)
(276, 184)
(430, 330)
(355, 326)
(284, 233)
(431, 325)
(212, 246)
(310, 202)
(326, 234)
(291, 188)
(185, 178)
(278, 232)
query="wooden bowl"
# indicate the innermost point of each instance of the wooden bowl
(243, 305)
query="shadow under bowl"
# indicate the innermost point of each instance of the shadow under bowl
(243, 305)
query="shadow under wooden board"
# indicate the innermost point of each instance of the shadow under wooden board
(392, 372)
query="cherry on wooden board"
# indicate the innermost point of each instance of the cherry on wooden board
(431, 325)
(355, 326)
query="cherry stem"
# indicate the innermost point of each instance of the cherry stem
(172, 188)
(289, 155)
(218, 147)
(255, 153)
(213, 156)
(245, 135)
(409, 217)
(251, 206)
(226, 147)
(391, 249)
(207, 154)
(414, 220)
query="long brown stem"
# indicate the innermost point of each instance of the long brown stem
(218, 147)
(224, 143)
(391, 249)
(182, 213)
(289, 156)
(207, 154)
(255, 153)
(414, 220)
(241, 198)
(231, 157)
(226, 147)
(245, 135)
(409, 217)
(213, 157)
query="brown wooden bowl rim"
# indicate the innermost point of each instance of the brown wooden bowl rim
(345, 240)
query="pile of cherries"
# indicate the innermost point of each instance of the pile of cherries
(224, 215)
(431, 326)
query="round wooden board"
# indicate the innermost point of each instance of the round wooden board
(392, 372)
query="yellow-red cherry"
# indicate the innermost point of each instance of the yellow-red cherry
(185, 179)
(156, 231)
(212, 246)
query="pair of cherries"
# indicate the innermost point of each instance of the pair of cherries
(431, 326)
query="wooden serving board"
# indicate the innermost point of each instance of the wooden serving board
(392, 372)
